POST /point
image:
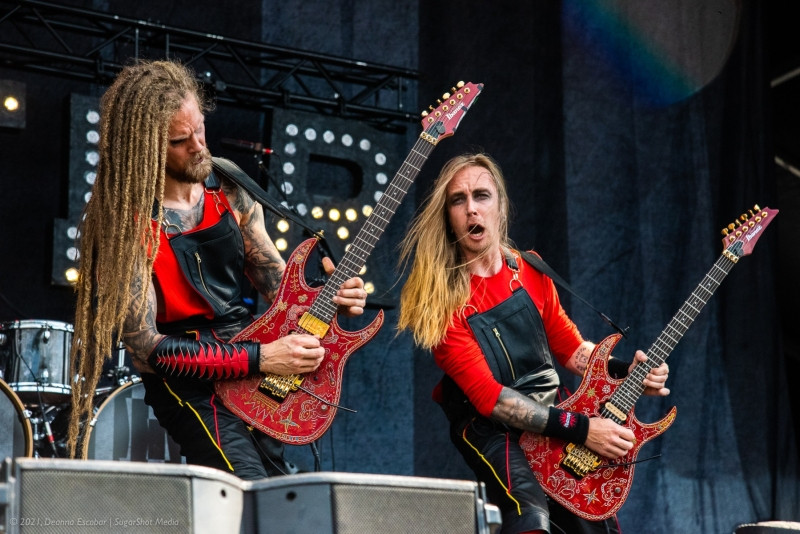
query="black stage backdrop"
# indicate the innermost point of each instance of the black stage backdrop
(630, 134)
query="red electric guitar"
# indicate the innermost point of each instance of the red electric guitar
(589, 485)
(298, 409)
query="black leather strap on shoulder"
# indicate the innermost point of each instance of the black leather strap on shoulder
(540, 265)
(229, 170)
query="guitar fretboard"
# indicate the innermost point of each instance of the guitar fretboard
(361, 247)
(631, 389)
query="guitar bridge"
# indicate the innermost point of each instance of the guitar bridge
(579, 460)
(278, 386)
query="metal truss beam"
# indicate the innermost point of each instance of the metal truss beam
(93, 46)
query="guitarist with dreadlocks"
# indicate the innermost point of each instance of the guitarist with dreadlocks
(495, 326)
(165, 246)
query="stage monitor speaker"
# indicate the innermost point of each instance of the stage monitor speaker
(93, 496)
(769, 527)
(348, 503)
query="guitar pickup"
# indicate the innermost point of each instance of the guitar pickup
(278, 386)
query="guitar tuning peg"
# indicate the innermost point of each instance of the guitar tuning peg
(725, 232)
(757, 207)
(424, 114)
(446, 96)
(460, 85)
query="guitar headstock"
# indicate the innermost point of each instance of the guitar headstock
(442, 121)
(742, 234)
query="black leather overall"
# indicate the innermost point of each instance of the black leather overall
(514, 342)
(208, 433)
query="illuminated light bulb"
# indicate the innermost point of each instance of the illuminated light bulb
(366, 210)
(11, 103)
(362, 271)
(317, 212)
(282, 226)
(71, 275)
(369, 287)
(333, 214)
(350, 214)
(343, 233)
(281, 244)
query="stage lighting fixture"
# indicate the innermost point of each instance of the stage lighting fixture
(12, 110)
(338, 169)
(83, 159)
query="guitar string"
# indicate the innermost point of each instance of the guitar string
(323, 307)
(627, 394)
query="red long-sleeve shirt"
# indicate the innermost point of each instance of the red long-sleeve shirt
(459, 354)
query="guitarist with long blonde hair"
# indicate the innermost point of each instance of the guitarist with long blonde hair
(496, 328)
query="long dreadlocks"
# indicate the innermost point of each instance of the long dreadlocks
(118, 239)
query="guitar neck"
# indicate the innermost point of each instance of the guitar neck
(361, 247)
(632, 388)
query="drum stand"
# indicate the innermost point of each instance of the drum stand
(44, 440)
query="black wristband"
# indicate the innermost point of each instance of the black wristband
(617, 368)
(569, 426)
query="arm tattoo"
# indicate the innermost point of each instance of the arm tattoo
(263, 263)
(140, 333)
(520, 411)
(582, 358)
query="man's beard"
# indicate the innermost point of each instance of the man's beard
(196, 171)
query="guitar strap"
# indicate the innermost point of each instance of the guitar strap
(235, 174)
(540, 265)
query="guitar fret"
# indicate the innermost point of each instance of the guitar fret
(575, 467)
(363, 244)
(631, 389)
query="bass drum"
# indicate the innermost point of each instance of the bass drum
(16, 436)
(125, 428)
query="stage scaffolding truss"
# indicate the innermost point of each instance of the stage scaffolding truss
(89, 45)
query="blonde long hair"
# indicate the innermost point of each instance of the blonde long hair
(117, 239)
(438, 283)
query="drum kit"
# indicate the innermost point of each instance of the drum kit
(35, 401)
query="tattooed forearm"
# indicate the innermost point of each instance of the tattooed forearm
(579, 360)
(519, 411)
(141, 335)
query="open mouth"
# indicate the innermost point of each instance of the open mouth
(475, 229)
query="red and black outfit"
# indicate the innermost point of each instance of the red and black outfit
(198, 277)
(508, 333)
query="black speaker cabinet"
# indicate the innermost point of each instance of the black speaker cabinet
(348, 503)
(769, 527)
(51, 496)
(57, 496)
